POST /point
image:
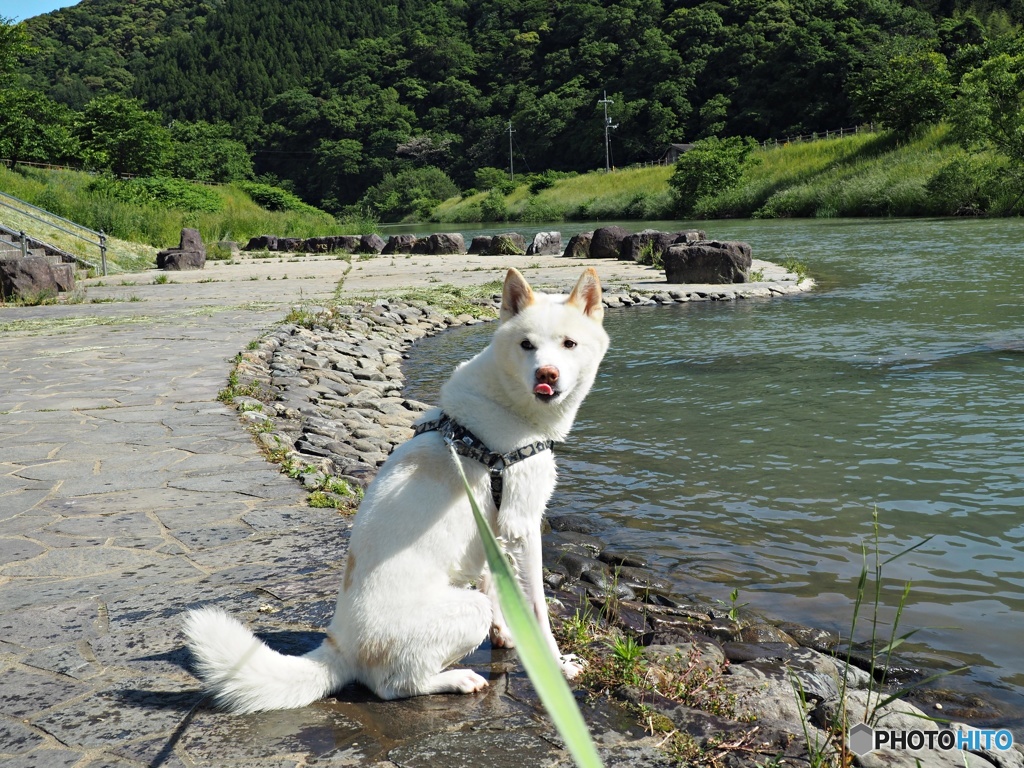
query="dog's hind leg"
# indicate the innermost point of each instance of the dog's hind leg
(437, 634)
(499, 633)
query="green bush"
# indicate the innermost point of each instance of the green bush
(161, 191)
(90, 202)
(413, 192)
(545, 180)
(966, 185)
(488, 178)
(538, 210)
(713, 166)
(493, 207)
(277, 199)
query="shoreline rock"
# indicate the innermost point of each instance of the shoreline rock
(329, 400)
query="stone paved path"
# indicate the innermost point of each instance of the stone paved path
(127, 492)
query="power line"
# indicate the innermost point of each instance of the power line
(523, 156)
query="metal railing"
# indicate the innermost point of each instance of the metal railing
(84, 233)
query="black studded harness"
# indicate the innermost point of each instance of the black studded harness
(469, 445)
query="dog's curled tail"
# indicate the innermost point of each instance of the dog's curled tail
(245, 675)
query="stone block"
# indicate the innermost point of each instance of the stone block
(26, 278)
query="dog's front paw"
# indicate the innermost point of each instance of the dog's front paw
(501, 637)
(467, 681)
(571, 665)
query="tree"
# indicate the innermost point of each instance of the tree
(416, 191)
(206, 152)
(14, 43)
(911, 91)
(488, 178)
(712, 166)
(34, 128)
(118, 135)
(989, 111)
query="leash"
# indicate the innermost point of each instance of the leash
(469, 445)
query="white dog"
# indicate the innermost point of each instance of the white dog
(407, 608)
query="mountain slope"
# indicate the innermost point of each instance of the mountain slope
(93, 48)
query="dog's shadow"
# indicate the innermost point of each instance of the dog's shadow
(190, 702)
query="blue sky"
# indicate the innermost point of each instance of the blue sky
(23, 9)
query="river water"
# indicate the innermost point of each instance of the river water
(748, 445)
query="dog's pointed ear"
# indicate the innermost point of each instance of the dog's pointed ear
(516, 295)
(586, 296)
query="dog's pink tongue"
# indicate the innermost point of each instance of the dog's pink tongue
(543, 389)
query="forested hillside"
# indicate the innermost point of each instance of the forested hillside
(96, 47)
(332, 98)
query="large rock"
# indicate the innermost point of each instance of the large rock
(579, 246)
(400, 244)
(372, 243)
(190, 253)
(328, 243)
(607, 242)
(545, 244)
(507, 244)
(230, 246)
(480, 244)
(64, 276)
(262, 243)
(191, 240)
(26, 278)
(180, 261)
(441, 243)
(646, 247)
(317, 244)
(346, 243)
(711, 262)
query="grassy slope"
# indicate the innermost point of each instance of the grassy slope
(137, 230)
(861, 175)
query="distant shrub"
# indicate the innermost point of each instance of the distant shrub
(161, 191)
(711, 167)
(488, 178)
(415, 192)
(277, 199)
(539, 181)
(538, 210)
(965, 185)
(493, 207)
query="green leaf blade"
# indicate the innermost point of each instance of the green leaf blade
(541, 666)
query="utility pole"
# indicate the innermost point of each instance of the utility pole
(607, 127)
(511, 170)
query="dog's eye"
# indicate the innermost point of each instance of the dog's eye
(527, 345)
(569, 344)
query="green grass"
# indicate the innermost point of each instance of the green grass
(867, 174)
(644, 191)
(137, 229)
(456, 300)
